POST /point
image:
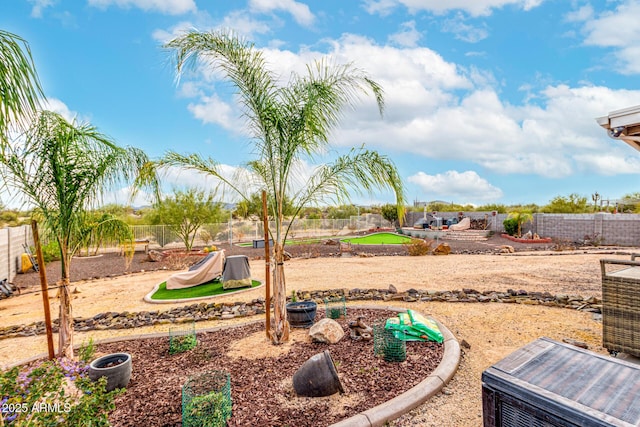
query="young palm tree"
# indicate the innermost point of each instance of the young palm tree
(62, 168)
(521, 217)
(19, 85)
(289, 124)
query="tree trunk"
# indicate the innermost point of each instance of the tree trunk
(281, 324)
(65, 332)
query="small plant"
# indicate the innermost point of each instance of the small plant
(418, 247)
(294, 296)
(87, 351)
(182, 343)
(207, 410)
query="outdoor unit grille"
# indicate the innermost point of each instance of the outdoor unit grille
(551, 384)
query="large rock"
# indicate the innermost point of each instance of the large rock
(327, 331)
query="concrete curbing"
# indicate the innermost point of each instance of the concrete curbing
(416, 396)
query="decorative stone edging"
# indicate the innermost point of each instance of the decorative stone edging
(223, 311)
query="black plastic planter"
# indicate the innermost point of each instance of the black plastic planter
(317, 377)
(301, 314)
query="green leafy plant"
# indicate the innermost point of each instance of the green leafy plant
(183, 343)
(207, 410)
(87, 351)
(55, 393)
(510, 226)
(294, 296)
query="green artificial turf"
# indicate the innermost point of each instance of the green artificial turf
(205, 290)
(378, 239)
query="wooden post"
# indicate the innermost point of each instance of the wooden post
(267, 299)
(44, 287)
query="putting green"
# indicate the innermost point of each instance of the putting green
(378, 239)
(205, 290)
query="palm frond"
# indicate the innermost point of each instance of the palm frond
(20, 88)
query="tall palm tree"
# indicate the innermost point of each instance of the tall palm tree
(63, 168)
(19, 85)
(288, 124)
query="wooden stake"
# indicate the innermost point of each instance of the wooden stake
(267, 299)
(44, 287)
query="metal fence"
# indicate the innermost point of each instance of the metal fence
(245, 230)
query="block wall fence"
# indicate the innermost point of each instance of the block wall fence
(608, 229)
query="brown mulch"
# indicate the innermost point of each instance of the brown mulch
(261, 384)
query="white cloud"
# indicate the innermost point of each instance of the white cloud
(609, 164)
(463, 31)
(581, 14)
(466, 185)
(211, 109)
(57, 106)
(169, 7)
(408, 36)
(299, 11)
(472, 7)
(39, 6)
(439, 111)
(617, 29)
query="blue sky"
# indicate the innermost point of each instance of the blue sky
(488, 101)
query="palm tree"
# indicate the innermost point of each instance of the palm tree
(521, 217)
(62, 168)
(289, 124)
(19, 86)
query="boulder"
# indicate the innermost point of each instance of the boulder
(327, 331)
(506, 249)
(155, 256)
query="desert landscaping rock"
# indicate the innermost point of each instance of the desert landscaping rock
(211, 311)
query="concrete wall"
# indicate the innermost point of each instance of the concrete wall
(11, 240)
(606, 229)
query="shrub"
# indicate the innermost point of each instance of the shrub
(55, 392)
(50, 251)
(418, 247)
(510, 226)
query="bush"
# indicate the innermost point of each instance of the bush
(418, 247)
(50, 251)
(510, 226)
(55, 392)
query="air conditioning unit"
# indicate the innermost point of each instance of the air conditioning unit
(551, 384)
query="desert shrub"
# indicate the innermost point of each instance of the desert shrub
(510, 226)
(418, 247)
